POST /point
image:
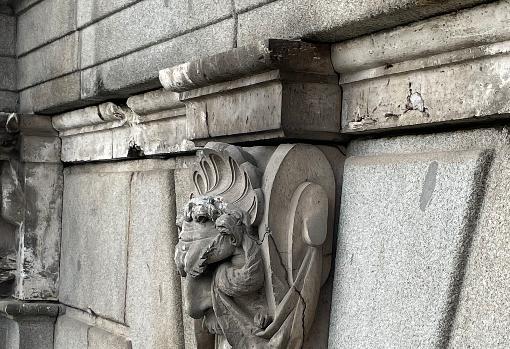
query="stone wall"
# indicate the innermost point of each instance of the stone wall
(8, 85)
(393, 114)
(89, 51)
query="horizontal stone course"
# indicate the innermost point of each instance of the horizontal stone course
(442, 94)
(8, 35)
(44, 22)
(8, 74)
(333, 21)
(91, 10)
(52, 96)
(50, 61)
(472, 27)
(8, 101)
(146, 23)
(111, 78)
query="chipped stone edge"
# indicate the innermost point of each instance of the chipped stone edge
(266, 55)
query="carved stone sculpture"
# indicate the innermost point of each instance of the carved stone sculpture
(255, 243)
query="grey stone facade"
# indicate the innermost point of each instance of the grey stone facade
(254, 173)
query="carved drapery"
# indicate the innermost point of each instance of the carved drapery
(255, 243)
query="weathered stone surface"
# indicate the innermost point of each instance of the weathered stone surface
(433, 96)
(44, 22)
(27, 325)
(52, 96)
(405, 226)
(93, 10)
(272, 54)
(70, 333)
(8, 101)
(88, 147)
(472, 27)
(110, 79)
(94, 251)
(154, 315)
(270, 297)
(8, 73)
(277, 89)
(22, 5)
(145, 23)
(335, 21)
(39, 259)
(8, 333)
(155, 125)
(246, 5)
(98, 338)
(56, 59)
(482, 319)
(8, 37)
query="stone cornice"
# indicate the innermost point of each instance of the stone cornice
(293, 56)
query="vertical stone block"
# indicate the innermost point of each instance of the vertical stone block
(482, 318)
(8, 37)
(153, 303)
(70, 333)
(44, 22)
(94, 241)
(405, 228)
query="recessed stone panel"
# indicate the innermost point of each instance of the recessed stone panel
(405, 226)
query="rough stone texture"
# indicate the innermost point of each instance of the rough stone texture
(155, 124)
(9, 333)
(94, 251)
(35, 334)
(42, 65)
(52, 96)
(472, 27)
(7, 73)
(110, 79)
(442, 94)
(27, 325)
(22, 5)
(147, 23)
(153, 235)
(98, 338)
(246, 5)
(8, 101)
(130, 240)
(277, 89)
(44, 22)
(39, 267)
(482, 318)
(70, 333)
(93, 10)
(405, 227)
(8, 37)
(335, 20)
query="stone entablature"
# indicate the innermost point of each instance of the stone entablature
(274, 89)
(150, 124)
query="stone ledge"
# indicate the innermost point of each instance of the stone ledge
(274, 90)
(267, 55)
(151, 124)
(16, 309)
